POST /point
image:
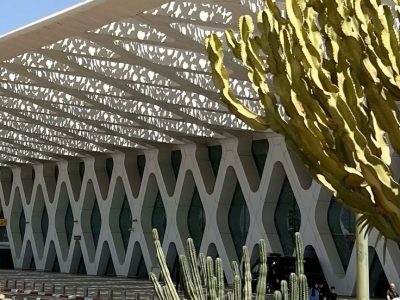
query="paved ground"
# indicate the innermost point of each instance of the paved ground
(60, 283)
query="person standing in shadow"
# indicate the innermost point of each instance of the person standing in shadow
(314, 292)
(391, 292)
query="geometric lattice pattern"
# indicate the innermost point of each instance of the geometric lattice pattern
(126, 188)
(110, 125)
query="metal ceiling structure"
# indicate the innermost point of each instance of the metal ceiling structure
(118, 73)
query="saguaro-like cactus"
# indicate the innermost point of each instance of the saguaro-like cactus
(328, 79)
(211, 286)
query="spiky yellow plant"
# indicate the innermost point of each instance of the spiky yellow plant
(327, 76)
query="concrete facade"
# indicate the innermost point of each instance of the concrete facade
(52, 186)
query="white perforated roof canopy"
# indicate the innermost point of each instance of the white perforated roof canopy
(119, 73)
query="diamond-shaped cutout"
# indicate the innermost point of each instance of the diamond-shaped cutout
(69, 223)
(190, 214)
(22, 225)
(90, 220)
(17, 222)
(378, 282)
(341, 222)
(39, 221)
(120, 219)
(287, 217)
(64, 220)
(158, 217)
(95, 223)
(196, 219)
(238, 220)
(125, 222)
(44, 224)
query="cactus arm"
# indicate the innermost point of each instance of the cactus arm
(229, 296)
(237, 288)
(188, 283)
(203, 268)
(157, 287)
(167, 292)
(219, 272)
(262, 282)
(235, 269)
(164, 269)
(237, 282)
(221, 78)
(294, 287)
(194, 269)
(277, 295)
(262, 273)
(303, 287)
(247, 293)
(299, 254)
(211, 293)
(213, 290)
(284, 290)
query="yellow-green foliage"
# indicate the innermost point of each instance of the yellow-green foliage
(332, 90)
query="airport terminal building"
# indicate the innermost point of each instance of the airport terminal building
(110, 126)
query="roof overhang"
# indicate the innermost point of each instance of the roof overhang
(111, 74)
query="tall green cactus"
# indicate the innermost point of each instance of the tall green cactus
(168, 291)
(284, 290)
(299, 254)
(262, 273)
(294, 287)
(208, 283)
(328, 79)
(212, 287)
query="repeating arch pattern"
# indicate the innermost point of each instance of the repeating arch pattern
(70, 216)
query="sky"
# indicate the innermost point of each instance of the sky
(18, 13)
